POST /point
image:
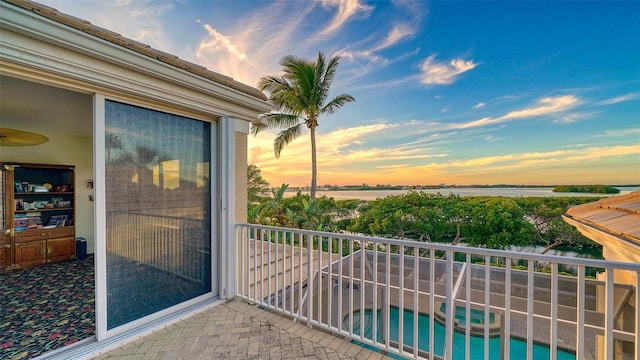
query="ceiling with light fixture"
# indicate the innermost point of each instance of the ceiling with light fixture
(45, 110)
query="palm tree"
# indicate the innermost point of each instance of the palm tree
(299, 98)
(112, 143)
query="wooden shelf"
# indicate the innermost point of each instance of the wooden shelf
(19, 194)
(47, 209)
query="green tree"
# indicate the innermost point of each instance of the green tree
(300, 98)
(257, 187)
(551, 230)
(276, 206)
(497, 222)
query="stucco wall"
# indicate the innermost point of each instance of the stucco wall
(241, 177)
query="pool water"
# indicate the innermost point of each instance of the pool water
(477, 316)
(518, 347)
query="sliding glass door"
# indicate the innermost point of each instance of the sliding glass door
(158, 220)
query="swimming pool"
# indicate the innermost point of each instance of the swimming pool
(518, 347)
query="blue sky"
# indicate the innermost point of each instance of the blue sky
(455, 92)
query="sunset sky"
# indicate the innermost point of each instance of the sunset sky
(455, 92)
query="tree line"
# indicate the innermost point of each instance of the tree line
(596, 189)
(495, 222)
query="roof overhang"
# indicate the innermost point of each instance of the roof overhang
(612, 222)
(38, 42)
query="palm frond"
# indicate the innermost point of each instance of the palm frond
(285, 137)
(257, 128)
(273, 121)
(328, 75)
(336, 103)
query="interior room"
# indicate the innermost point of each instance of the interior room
(48, 305)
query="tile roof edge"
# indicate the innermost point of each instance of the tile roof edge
(138, 47)
(606, 203)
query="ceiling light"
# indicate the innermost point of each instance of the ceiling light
(13, 137)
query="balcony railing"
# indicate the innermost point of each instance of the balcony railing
(397, 296)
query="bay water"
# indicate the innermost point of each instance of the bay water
(465, 191)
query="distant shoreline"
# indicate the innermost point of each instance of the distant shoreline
(441, 187)
(538, 191)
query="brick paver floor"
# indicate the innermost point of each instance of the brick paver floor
(237, 330)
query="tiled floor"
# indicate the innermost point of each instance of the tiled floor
(237, 330)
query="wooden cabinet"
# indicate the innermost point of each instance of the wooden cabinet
(5, 252)
(35, 247)
(38, 208)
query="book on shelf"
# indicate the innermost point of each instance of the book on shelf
(30, 220)
(20, 222)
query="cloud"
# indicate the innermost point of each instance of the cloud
(548, 158)
(619, 99)
(545, 106)
(219, 42)
(395, 35)
(479, 105)
(575, 117)
(623, 132)
(441, 73)
(255, 46)
(347, 9)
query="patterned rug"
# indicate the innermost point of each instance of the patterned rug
(46, 308)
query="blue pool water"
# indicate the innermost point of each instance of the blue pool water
(518, 347)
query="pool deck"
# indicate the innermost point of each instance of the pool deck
(238, 330)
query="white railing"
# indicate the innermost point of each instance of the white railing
(169, 243)
(386, 293)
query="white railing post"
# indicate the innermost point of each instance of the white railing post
(487, 302)
(241, 255)
(320, 281)
(292, 256)
(278, 292)
(387, 298)
(553, 332)
(300, 294)
(506, 346)
(262, 264)
(362, 289)
(401, 299)
(330, 275)
(351, 294)
(416, 291)
(637, 320)
(340, 323)
(269, 292)
(609, 315)
(255, 262)
(374, 335)
(530, 297)
(467, 308)
(310, 278)
(450, 307)
(580, 302)
(432, 287)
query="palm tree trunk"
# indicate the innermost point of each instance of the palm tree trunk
(314, 164)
